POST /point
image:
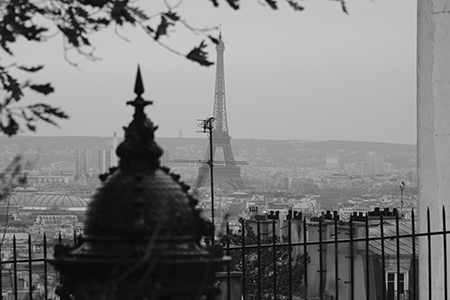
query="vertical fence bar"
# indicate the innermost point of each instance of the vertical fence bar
(305, 258)
(367, 258)
(45, 268)
(320, 260)
(274, 251)
(290, 258)
(259, 258)
(74, 236)
(430, 294)
(352, 263)
(444, 229)
(30, 268)
(336, 262)
(244, 288)
(414, 267)
(397, 232)
(383, 261)
(1, 267)
(15, 267)
(228, 265)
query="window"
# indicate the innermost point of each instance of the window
(394, 281)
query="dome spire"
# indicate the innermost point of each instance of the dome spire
(139, 103)
(139, 148)
(139, 86)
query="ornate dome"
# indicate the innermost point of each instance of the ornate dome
(60, 200)
(141, 198)
(142, 223)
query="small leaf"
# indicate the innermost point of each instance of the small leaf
(295, 5)
(11, 85)
(31, 127)
(138, 12)
(31, 69)
(42, 88)
(128, 17)
(162, 27)
(42, 108)
(173, 16)
(215, 3)
(43, 118)
(71, 35)
(11, 128)
(198, 55)
(213, 39)
(233, 3)
(80, 11)
(272, 4)
(344, 7)
(118, 11)
(150, 29)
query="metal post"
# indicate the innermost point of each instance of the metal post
(207, 124)
(402, 187)
(211, 165)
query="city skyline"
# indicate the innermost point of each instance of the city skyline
(313, 75)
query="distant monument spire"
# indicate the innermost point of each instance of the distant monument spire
(227, 171)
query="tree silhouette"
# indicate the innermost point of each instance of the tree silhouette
(76, 21)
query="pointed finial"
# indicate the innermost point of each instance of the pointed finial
(139, 86)
(139, 147)
(139, 103)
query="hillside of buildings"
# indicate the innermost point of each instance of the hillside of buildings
(337, 171)
(43, 151)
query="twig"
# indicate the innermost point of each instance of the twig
(119, 35)
(198, 30)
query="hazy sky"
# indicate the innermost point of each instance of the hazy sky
(313, 75)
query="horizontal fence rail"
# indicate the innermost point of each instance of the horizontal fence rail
(373, 257)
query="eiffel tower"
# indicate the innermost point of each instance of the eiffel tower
(225, 172)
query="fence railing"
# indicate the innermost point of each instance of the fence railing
(25, 274)
(374, 256)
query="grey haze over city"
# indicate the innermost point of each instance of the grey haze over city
(319, 74)
(309, 161)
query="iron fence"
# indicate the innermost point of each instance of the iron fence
(374, 256)
(25, 274)
(371, 256)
